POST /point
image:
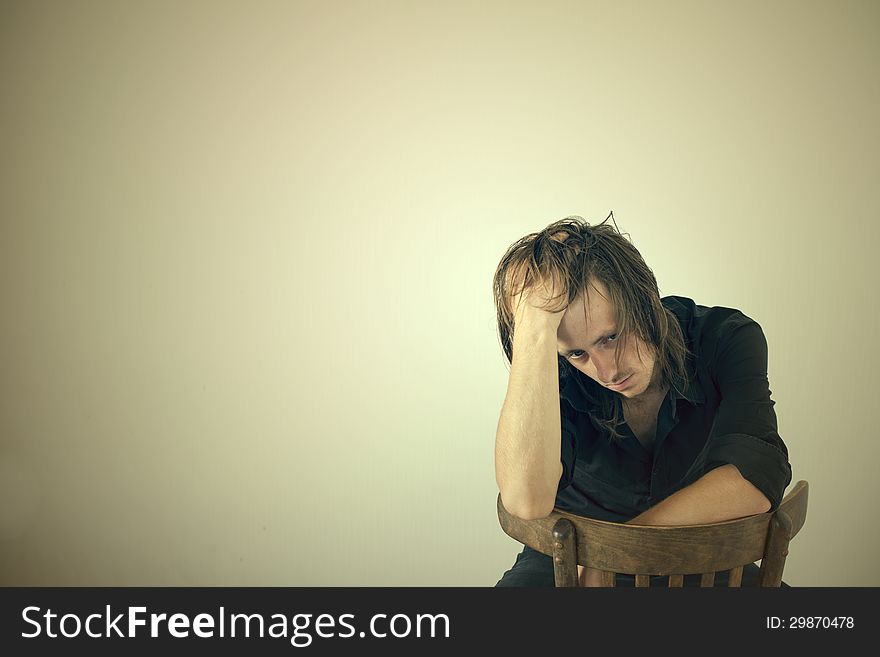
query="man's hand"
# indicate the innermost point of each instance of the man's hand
(536, 301)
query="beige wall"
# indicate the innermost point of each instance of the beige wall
(247, 331)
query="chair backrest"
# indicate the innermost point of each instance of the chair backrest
(646, 550)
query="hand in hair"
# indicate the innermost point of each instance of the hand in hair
(538, 301)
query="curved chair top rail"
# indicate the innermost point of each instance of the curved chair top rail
(620, 547)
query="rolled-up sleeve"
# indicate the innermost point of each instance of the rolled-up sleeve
(745, 430)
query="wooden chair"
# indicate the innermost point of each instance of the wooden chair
(645, 550)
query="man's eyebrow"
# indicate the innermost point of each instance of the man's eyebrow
(569, 352)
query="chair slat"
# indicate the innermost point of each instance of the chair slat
(708, 579)
(608, 578)
(643, 580)
(736, 575)
(676, 581)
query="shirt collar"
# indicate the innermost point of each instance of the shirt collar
(684, 309)
(692, 392)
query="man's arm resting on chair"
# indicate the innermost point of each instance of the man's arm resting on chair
(720, 494)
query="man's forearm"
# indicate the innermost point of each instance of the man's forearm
(528, 462)
(721, 494)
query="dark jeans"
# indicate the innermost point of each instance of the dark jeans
(533, 568)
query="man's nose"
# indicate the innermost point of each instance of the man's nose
(606, 369)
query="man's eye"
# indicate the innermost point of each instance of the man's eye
(608, 338)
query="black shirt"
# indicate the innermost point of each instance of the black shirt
(725, 416)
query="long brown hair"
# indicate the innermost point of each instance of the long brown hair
(573, 254)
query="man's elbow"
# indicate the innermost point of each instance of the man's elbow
(532, 514)
(528, 510)
(760, 502)
(533, 501)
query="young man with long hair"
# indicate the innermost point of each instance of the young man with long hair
(622, 405)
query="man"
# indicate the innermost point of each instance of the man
(662, 405)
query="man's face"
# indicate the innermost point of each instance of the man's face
(592, 343)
